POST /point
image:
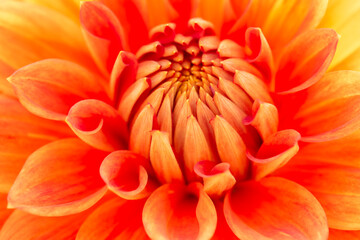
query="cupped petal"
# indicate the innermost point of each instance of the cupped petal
(51, 185)
(103, 33)
(274, 153)
(49, 88)
(98, 124)
(179, 212)
(330, 109)
(21, 134)
(22, 225)
(115, 219)
(217, 177)
(255, 210)
(127, 174)
(343, 235)
(305, 60)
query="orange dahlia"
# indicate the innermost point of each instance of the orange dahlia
(169, 119)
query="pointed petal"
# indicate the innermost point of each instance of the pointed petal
(126, 174)
(163, 159)
(115, 219)
(98, 124)
(231, 147)
(50, 87)
(103, 34)
(50, 185)
(255, 210)
(305, 60)
(274, 153)
(179, 212)
(217, 177)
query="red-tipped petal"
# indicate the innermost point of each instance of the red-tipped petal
(231, 147)
(115, 219)
(51, 185)
(98, 124)
(179, 212)
(163, 159)
(217, 177)
(49, 88)
(275, 152)
(126, 174)
(305, 60)
(103, 33)
(255, 210)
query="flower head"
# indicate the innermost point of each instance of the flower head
(179, 120)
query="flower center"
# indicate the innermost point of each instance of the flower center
(192, 88)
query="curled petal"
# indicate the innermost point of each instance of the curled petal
(49, 88)
(103, 33)
(126, 174)
(179, 212)
(305, 60)
(255, 210)
(163, 159)
(164, 33)
(123, 75)
(275, 152)
(98, 124)
(264, 118)
(51, 185)
(217, 177)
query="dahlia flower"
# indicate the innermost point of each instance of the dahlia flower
(169, 119)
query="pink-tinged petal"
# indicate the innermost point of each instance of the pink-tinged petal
(115, 219)
(305, 60)
(103, 33)
(180, 120)
(331, 109)
(179, 212)
(217, 177)
(196, 148)
(230, 146)
(98, 124)
(255, 211)
(21, 134)
(343, 235)
(50, 87)
(22, 225)
(261, 54)
(51, 185)
(237, 64)
(127, 174)
(147, 68)
(274, 153)
(164, 117)
(163, 159)
(230, 49)
(123, 75)
(335, 185)
(253, 85)
(264, 118)
(140, 135)
(4, 212)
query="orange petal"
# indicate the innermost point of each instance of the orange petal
(212, 11)
(255, 210)
(126, 174)
(331, 108)
(50, 87)
(21, 134)
(343, 235)
(123, 75)
(217, 177)
(223, 230)
(163, 159)
(274, 153)
(115, 219)
(22, 225)
(4, 212)
(305, 60)
(264, 118)
(335, 185)
(179, 212)
(230, 49)
(5, 71)
(98, 124)
(159, 12)
(231, 147)
(51, 185)
(103, 33)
